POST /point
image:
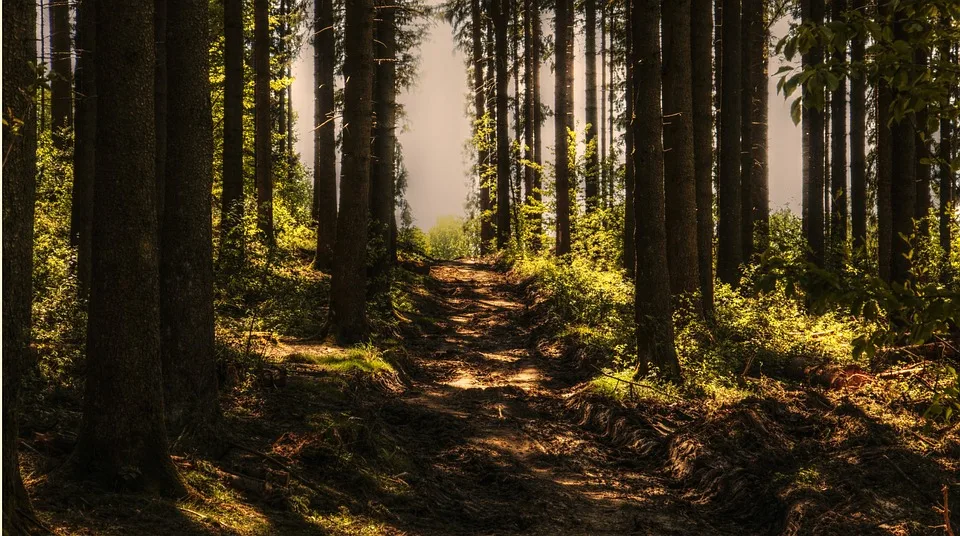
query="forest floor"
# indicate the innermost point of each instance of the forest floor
(470, 424)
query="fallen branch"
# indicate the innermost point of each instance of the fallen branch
(947, 524)
(635, 384)
(902, 372)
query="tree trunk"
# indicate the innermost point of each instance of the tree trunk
(923, 202)
(701, 20)
(838, 155)
(605, 193)
(480, 101)
(61, 79)
(529, 106)
(681, 193)
(563, 115)
(122, 441)
(534, 14)
(324, 134)
(813, 133)
(629, 209)
(947, 187)
(263, 132)
(517, 202)
(759, 175)
(348, 318)
(751, 20)
(160, 102)
(654, 315)
(19, 194)
(186, 255)
(858, 140)
(84, 155)
(382, 173)
(592, 171)
(903, 189)
(232, 204)
(501, 18)
(729, 234)
(281, 53)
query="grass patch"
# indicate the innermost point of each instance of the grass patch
(365, 358)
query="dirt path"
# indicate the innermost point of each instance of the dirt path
(487, 417)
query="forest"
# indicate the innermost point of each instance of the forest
(204, 334)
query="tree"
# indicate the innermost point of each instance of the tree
(85, 131)
(383, 172)
(563, 115)
(19, 192)
(702, 88)
(885, 235)
(501, 17)
(122, 439)
(324, 134)
(858, 139)
(231, 218)
(186, 255)
(679, 166)
(629, 211)
(838, 152)
(536, 53)
(160, 102)
(729, 237)
(592, 171)
(348, 287)
(947, 187)
(480, 108)
(755, 205)
(903, 188)
(61, 79)
(529, 104)
(263, 144)
(654, 314)
(814, 148)
(923, 154)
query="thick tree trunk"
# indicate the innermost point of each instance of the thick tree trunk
(61, 79)
(858, 140)
(84, 155)
(606, 193)
(19, 194)
(517, 190)
(679, 165)
(903, 188)
(563, 118)
(480, 107)
(654, 314)
(122, 440)
(813, 133)
(946, 174)
(629, 209)
(186, 255)
(759, 176)
(324, 134)
(751, 20)
(529, 106)
(536, 49)
(348, 318)
(838, 156)
(884, 180)
(501, 18)
(263, 145)
(729, 234)
(160, 102)
(701, 20)
(232, 203)
(382, 171)
(592, 171)
(923, 154)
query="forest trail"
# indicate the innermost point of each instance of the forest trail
(490, 423)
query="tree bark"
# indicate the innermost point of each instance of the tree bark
(629, 208)
(654, 314)
(501, 18)
(324, 134)
(19, 195)
(263, 144)
(61, 79)
(348, 319)
(759, 175)
(751, 19)
(382, 175)
(946, 174)
(563, 119)
(923, 201)
(160, 102)
(480, 107)
(903, 188)
(702, 86)
(84, 155)
(536, 49)
(858, 140)
(232, 203)
(186, 254)
(729, 234)
(606, 193)
(813, 133)
(592, 170)
(679, 166)
(838, 154)
(529, 108)
(122, 441)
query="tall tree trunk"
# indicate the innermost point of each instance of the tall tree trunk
(84, 155)
(751, 20)
(348, 318)
(501, 18)
(605, 192)
(536, 52)
(729, 234)
(324, 134)
(123, 425)
(160, 102)
(838, 155)
(263, 145)
(382, 171)
(562, 114)
(232, 204)
(19, 194)
(41, 86)
(281, 53)
(186, 254)
(629, 208)
(518, 198)
(884, 164)
(701, 20)
(679, 166)
(814, 148)
(529, 106)
(947, 187)
(480, 100)
(592, 171)
(654, 314)
(903, 189)
(61, 80)
(923, 154)
(759, 175)
(858, 140)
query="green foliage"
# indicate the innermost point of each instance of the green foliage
(450, 239)
(365, 358)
